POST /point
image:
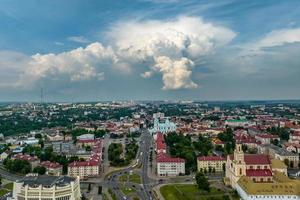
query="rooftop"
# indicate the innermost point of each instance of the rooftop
(281, 185)
(46, 181)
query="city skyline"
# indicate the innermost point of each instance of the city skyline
(149, 50)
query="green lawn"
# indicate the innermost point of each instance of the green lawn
(123, 178)
(3, 192)
(135, 178)
(190, 192)
(127, 191)
(9, 186)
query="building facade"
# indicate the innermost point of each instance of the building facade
(46, 188)
(168, 166)
(213, 163)
(256, 167)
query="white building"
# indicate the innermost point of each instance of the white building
(168, 166)
(46, 188)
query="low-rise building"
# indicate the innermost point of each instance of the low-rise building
(52, 168)
(266, 138)
(34, 161)
(46, 188)
(214, 163)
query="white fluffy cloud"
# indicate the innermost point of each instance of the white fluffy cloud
(176, 74)
(79, 64)
(171, 48)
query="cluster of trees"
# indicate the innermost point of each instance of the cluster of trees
(40, 170)
(282, 133)
(17, 166)
(203, 145)
(114, 154)
(115, 151)
(228, 138)
(131, 150)
(181, 146)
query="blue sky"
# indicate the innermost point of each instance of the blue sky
(149, 49)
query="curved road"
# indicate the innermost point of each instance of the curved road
(144, 189)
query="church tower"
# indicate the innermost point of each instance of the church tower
(240, 165)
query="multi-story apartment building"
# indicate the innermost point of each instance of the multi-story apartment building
(168, 166)
(88, 168)
(215, 163)
(84, 169)
(46, 188)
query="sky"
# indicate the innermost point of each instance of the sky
(99, 50)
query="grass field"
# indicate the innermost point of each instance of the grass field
(127, 191)
(190, 192)
(134, 178)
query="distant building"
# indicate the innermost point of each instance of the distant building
(266, 138)
(46, 188)
(215, 163)
(290, 158)
(164, 127)
(87, 136)
(239, 123)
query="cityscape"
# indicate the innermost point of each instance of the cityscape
(149, 100)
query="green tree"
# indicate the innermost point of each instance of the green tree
(40, 170)
(202, 182)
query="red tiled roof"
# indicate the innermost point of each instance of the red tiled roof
(160, 142)
(162, 157)
(256, 159)
(48, 164)
(266, 136)
(29, 158)
(211, 158)
(87, 141)
(83, 164)
(258, 172)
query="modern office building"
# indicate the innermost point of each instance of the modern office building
(36, 187)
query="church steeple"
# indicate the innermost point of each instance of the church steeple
(238, 153)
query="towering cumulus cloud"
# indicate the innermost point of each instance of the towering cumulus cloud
(171, 48)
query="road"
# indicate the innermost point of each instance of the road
(144, 189)
(9, 176)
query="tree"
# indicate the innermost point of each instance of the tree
(224, 167)
(209, 169)
(202, 182)
(40, 170)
